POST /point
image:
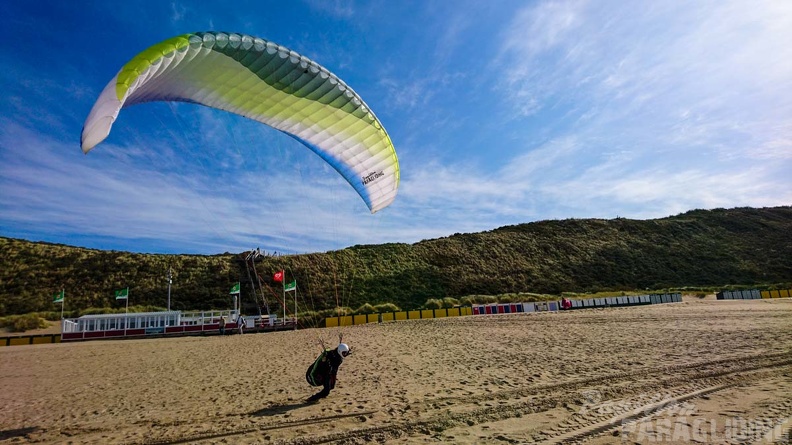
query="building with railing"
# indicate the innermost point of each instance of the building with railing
(167, 323)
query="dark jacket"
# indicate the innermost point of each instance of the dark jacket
(323, 372)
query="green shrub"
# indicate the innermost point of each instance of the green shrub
(449, 302)
(487, 299)
(340, 311)
(311, 319)
(51, 316)
(433, 303)
(470, 300)
(506, 298)
(386, 307)
(22, 323)
(97, 310)
(365, 309)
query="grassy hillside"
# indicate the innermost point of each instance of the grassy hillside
(744, 246)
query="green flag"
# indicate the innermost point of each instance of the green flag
(290, 286)
(58, 298)
(122, 294)
(235, 289)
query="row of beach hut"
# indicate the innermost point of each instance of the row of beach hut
(753, 294)
(550, 306)
(504, 308)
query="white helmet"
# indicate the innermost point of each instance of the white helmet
(343, 349)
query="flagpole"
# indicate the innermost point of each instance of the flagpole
(283, 286)
(295, 305)
(126, 314)
(169, 285)
(63, 299)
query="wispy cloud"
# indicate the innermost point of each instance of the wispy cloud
(629, 51)
(697, 93)
(140, 191)
(178, 11)
(336, 8)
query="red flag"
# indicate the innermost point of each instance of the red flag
(278, 276)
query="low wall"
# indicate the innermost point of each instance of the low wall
(30, 339)
(348, 320)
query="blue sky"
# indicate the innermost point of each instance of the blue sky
(501, 113)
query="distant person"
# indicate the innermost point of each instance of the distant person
(241, 324)
(222, 325)
(324, 369)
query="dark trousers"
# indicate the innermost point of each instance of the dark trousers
(323, 393)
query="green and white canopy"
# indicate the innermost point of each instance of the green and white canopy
(265, 82)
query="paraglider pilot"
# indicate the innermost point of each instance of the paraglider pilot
(324, 369)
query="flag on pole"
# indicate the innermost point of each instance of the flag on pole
(290, 286)
(58, 298)
(122, 294)
(278, 276)
(235, 289)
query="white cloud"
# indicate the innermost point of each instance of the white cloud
(178, 11)
(336, 8)
(542, 27)
(698, 93)
(51, 187)
(650, 59)
(556, 157)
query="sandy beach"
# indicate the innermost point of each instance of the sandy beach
(700, 371)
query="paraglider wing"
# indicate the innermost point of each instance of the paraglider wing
(265, 82)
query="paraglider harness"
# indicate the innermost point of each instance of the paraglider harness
(321, 368)
(315, 374)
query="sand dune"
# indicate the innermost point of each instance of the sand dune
(600, 376)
